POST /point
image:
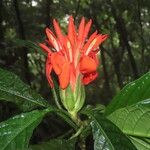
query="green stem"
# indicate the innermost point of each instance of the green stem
(56, 98)
(75, 118)
(62, 113)
(77, 133)
(82, 144)
(65, 135)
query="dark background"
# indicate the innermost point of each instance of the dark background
(124, 56)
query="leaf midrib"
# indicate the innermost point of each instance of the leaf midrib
(30, 123)
(21, 96)
(103, 132)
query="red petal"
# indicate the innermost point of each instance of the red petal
(57, 61)
(65, 75)
(104, 37)
(52, 39)
(45, 48)
(92, 37)
(81, 29)
(93, 55)
(73, 75)
(48, 71)
(87, 78)
(87, 29)
(68, 49)
(87, 65)
(58, 30)
(71, 31)
(95, 43)
(99, 40)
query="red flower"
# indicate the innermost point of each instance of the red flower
(72, 55)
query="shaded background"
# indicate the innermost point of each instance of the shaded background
(124, 56)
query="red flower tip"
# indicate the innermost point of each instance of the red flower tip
(89, 77)
(45, 48)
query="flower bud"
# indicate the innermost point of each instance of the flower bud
(73, 99)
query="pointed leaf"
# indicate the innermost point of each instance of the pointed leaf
(107, 135)
(141, 144)
(15, 133)
(12, 89)
(132, 93)
(133, 120)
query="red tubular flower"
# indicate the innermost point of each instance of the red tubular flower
(72, 55)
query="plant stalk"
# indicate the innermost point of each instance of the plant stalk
(56, 98)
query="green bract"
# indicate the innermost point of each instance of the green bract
(73, 100)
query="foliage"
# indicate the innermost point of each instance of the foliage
(126, 126)
(14, 90)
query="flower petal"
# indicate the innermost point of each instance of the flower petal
(99, 40)
(93, 55)
(87, 29)
(57, 61)
(87, 78)
(48, 71)
(71, 31)
(87, 65)
(45, 48)
(93, 42)
(68, 49)
(92, 37)
(52, 39)
(81, 29)
(65, 75)
(73, 74)
(58, 31)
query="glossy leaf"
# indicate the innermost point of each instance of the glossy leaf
(141, 144)
(56, 144)
(133, 120)
(107, 135)
(14, 90)
(132, 93)
(15, 133)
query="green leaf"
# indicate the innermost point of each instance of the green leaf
(12, 89)
(15, 133)
(55, 144)
(141, 144)
(132, 93)
(107, 135)
(133, 120)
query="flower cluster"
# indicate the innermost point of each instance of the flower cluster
(73, 55)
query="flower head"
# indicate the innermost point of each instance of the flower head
(72, 56)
